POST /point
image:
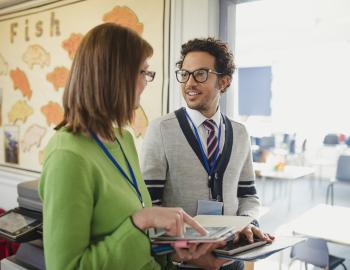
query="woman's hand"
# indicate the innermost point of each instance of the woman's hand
(200, 255)
(172, 220)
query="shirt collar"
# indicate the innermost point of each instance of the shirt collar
(199, 118)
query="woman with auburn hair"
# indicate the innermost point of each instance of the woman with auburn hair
(96, 207)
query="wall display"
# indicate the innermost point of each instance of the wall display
(36, 51)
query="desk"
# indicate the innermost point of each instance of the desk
(289, 173)
(326, 222)
(322, 221)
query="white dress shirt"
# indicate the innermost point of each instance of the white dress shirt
(198, 119)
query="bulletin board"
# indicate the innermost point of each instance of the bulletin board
(36, 51)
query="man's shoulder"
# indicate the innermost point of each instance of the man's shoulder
(164, 120)
(236, 125)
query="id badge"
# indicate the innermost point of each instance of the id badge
(205, 207)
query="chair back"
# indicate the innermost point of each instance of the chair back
(292, 146)
(267, 142)
(331, 139)
(313, 251)
(347, 141)
(343, 168)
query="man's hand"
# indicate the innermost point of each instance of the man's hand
(250, 231)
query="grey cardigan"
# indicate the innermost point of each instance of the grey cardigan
(175, 176)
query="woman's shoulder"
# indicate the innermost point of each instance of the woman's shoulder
(124, 135)
(66, 141)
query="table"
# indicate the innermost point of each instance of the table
(289, 173)
(325, 222)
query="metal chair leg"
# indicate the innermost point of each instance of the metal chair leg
(291, 262)
(327, 192)
(332, 194)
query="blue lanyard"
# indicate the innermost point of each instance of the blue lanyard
(204, 156)
(133, 183)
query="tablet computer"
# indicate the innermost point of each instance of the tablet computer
(191, 235)
(242, 245)
(19, 225)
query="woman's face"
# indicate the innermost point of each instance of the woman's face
(141, 83)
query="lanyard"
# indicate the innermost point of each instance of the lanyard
(133, 183)
(204, 156)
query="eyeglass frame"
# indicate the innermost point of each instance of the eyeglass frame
(149, 75)
(194, 77)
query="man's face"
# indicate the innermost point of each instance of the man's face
(205, 96)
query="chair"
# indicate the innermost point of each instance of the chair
(267, 142)
(347, 141)
(342, 176)
(331, 139)
(315, 251)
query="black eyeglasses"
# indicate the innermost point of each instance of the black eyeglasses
(199, 75)
(149, 75)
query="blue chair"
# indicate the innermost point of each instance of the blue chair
(267, 142)
(347, 141)
(315, 251)
(331, 139)
(342, 176)
(291, 147)
(286, 138)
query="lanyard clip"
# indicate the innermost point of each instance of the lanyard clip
(209, 181)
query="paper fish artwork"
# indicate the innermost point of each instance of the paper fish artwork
(20, 111)
(3, 66)
(139, 123)
(53, 113)
(72, 43)
(124, 16)
(58, 77)
(33, 136)
(36, 55)
(20, 81)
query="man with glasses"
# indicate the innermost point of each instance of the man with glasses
(196, 158)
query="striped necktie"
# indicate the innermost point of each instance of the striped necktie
(212, 140)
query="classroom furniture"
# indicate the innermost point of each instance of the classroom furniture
(289, 173)
(331, 139)
(315, 251)
(342, 176)
(321, 222)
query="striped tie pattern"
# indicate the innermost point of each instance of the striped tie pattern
(212, 140)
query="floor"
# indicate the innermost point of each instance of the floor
(277, 212)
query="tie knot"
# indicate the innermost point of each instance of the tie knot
(209, 124)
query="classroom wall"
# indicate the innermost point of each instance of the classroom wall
(167, 24)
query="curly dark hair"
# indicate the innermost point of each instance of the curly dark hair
(220, 50)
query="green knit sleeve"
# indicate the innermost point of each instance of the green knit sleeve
(68, 191)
